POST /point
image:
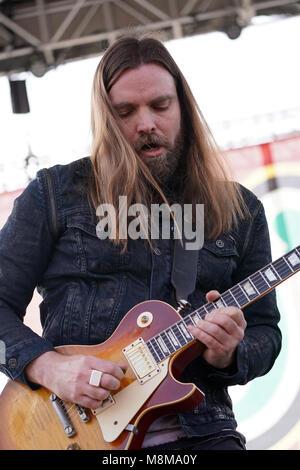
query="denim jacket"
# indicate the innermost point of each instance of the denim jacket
(88, 285)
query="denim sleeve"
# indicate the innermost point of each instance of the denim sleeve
(261, 345)
(26, 244)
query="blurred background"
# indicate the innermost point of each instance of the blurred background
(241, 60)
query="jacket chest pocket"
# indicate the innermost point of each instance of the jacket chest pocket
(217, 261)
(90, 253)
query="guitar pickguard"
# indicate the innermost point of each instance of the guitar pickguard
(114, 419)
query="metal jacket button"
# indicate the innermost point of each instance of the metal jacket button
(12, 363)
(220, 244)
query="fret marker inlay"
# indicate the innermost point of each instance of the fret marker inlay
(270, 275)
(248, 288)
(293, 259)
(259, 283)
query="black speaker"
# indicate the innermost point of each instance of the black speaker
(19, 97)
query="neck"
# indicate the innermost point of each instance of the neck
(241, 295)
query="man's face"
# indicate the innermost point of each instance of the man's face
(146, 101)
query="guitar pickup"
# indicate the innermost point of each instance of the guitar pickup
(141, 360)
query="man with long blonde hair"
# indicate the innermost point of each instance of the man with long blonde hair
(150, 146)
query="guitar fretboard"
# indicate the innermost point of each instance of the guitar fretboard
(250, 289)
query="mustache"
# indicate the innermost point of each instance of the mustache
(151, 140)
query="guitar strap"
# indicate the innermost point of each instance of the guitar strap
(55, 226)
(184, 272)
(185, 261)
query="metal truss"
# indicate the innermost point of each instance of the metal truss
(38, 35)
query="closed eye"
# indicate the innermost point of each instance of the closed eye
(124, 114)
(161, 104)
(161, 108)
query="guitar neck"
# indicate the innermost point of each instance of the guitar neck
(241, 295)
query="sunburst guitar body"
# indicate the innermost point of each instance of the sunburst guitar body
(39, 420)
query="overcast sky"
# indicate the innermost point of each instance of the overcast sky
(257, 74)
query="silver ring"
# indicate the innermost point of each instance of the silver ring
(95, 378)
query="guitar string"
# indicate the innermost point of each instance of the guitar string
(202, 311)
(240, 297)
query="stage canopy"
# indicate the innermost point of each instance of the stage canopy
(38, 35)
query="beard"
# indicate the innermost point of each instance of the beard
(164, 166)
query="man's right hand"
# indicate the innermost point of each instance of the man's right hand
(68, 377)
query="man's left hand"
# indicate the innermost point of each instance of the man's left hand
(221, 331)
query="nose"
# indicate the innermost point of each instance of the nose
(145, 122)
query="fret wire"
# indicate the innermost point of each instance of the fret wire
(160, 347)
(234, 298)
(229, 301)
(184, 338)
(195, 314)
(240, 296)
(219, 300)
(253, 285)
(248, 283)
(163, 343)
(175, 343)
(203, 311)
(271, 268)
(210, 307)
(288, 263)
(265, 278)
(151, 346)
(167, 342)
(260, 284)
(238, 292)
(276, 271)
(298, 253)
(180, 337)
(172, 338)
(188, 317)
(243, 302)
(244, 291)
(282, 267)
(153, 352)
(204, 306)
(291, 258)
(186, 333)
(161, 351)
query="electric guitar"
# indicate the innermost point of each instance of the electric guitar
(153, 339)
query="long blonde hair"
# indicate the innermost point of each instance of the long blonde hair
(118, 169)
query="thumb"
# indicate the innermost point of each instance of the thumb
(212, 295)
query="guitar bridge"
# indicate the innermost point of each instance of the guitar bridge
(62, 415)
(141, 360)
